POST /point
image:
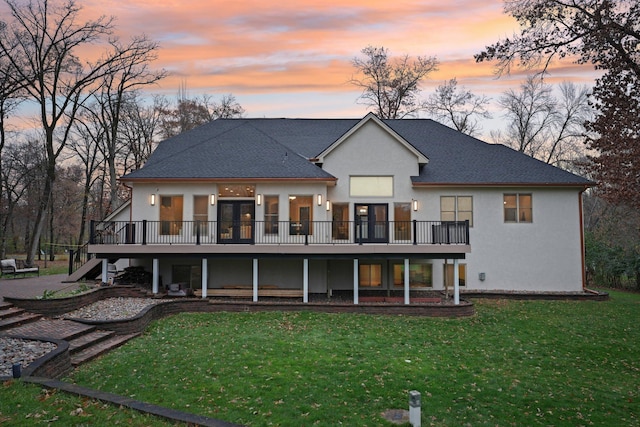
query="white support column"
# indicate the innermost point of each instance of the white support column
(255, 280)
(355, 281)
(105, 269)
(205, 277)
(305, 280)
(406, 281)
(155, 275)
(456, 282)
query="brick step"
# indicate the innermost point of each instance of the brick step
(10, 312)
(19, 320)
(91, 338)
(102, 347)
(4, 305)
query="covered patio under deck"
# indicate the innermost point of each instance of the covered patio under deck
(257, 289)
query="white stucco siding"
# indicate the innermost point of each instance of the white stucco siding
(284, 190)
(371, 152)
(544, 255)
(142, 208)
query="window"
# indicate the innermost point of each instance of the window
(402, 221)
(371, 186)
(271, 217)
(300, 215)
(236, 190)
(420, 275)
(201, 214)
(448, 274)
(171, 215)
(340, 221)
(370, 275)
(518, 208)
(456, 208)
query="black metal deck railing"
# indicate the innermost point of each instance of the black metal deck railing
(279, 232)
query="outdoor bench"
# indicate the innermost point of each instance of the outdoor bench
(12, 267)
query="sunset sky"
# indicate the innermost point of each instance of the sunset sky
(293, 58)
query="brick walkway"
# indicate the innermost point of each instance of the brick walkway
(51, 328)
(31, 287)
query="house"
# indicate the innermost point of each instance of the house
(317, 206)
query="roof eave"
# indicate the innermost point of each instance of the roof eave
(504, 184)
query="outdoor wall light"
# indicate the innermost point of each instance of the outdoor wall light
(319, 199)
(259, 199)
(152, 200)
(212, 199)
(414, 204)
(328, 205)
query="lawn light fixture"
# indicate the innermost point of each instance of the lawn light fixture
(152, 199)
(414, 204)
(259, 199)
(212, 199)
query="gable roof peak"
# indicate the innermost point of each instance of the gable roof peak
(371, 117)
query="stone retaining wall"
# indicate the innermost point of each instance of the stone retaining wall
(138, 323)
(59, 306)
(55, 364)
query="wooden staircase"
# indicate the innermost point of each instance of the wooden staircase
(85, 342)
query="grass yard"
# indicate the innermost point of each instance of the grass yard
(515, 363)
(23, 404)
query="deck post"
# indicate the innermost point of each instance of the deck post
(105, 268)
(355, 281)
(456, 282)
(255, 280)
(406, 281)
(305, 280)
(155, 276)
(205, 277)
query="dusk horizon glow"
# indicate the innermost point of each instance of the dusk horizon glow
(293, 58)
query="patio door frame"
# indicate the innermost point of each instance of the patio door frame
(232, 227)
(372, 229)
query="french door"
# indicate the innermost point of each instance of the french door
(236, 221)
(372, 223)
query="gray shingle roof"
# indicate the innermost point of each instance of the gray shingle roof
(279, 148)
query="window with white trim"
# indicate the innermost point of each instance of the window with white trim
(456, 208)
(518, 207)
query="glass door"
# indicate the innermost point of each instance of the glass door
(372, 223)
(235, 222)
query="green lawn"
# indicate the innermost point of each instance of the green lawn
(515, 363)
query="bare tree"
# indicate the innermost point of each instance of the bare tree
(130, 73)
(543, 126)
(458, 107)
(41, 42)
(85, 141)
(192, 112)
(391, 86)
(140, 129)
(227, 108)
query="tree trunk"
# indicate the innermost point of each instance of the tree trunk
(42, 209)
